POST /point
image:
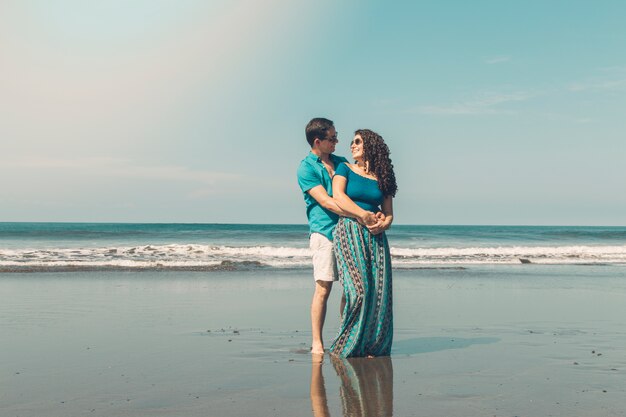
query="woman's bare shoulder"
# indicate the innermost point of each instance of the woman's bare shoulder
(356, 170)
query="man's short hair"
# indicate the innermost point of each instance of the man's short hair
(317, 128)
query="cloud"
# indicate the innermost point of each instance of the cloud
(614, 69)
(498, 59)
(484, 103)
(599, 85)
(606, 79)
(193, 183)
(125, 168)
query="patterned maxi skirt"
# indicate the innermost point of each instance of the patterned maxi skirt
(364, 265)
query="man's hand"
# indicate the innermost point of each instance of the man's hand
(368, 219)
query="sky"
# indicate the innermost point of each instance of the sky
(501, 113)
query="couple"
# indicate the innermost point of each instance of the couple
(349, 207)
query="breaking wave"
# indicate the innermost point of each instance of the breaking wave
(219, 258)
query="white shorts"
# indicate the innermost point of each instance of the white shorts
(324, 261)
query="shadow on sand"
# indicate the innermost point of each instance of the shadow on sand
(436, 344)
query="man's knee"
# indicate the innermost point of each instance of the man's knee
(322, 288)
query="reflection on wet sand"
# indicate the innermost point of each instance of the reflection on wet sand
(319, 403)
(366, 386)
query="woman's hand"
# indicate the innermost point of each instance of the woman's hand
(377, 228)
(383, 223)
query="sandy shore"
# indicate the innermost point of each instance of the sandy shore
(492, 341)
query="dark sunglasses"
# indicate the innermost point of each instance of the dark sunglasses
(332, 139)
(356, 142)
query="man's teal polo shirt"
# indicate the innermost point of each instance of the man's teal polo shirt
(312, 173)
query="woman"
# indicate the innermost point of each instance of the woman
(361, 247)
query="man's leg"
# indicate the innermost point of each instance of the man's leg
(324, 273)
(318, 314)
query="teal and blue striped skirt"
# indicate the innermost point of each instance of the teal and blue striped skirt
(364, 265)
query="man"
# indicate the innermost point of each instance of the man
(315, 179)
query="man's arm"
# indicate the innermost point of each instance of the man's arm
(321, 196)
(348, 206)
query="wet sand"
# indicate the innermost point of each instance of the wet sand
(493, 341)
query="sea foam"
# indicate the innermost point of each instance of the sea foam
(194, 256)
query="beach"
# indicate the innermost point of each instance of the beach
(169, 170)
(497, 340)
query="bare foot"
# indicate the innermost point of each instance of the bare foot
(317, 358)
(370, 356)
(317, 349)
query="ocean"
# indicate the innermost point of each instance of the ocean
(50, 247)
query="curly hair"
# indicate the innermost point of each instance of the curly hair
(376, 158)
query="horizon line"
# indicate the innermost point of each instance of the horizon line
(305, 224)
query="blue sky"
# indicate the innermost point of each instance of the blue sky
(194, 111)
